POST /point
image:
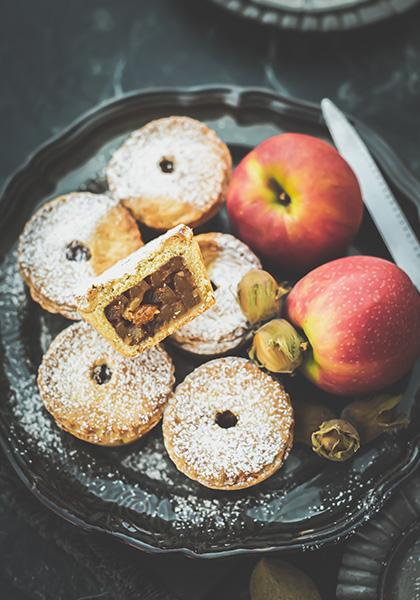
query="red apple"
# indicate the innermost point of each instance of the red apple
(361, 316)
(295, 201)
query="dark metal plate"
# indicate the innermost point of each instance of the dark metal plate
(135, 493)
(317, 15)
(382, 561)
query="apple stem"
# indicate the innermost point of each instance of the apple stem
(281, 196)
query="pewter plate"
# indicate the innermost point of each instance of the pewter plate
(382, 561)
(135, 493)
(317, 15)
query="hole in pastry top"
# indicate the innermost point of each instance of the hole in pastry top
(167, 165)
(101, 373)
(226, 419)
(77, 251)
(161, 297)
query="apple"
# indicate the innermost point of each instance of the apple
(295, 201)
(361, 316)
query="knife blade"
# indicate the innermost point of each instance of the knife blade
(391, 222)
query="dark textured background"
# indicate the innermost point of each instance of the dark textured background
(60, 58)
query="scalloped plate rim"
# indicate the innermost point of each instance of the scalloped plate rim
(376, 582)
(279, 17)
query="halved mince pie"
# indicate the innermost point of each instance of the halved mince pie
(147, 296)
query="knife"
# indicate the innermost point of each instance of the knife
(377, 196)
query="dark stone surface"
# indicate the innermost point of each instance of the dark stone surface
(59, 59)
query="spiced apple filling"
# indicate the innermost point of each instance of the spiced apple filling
(163, 296)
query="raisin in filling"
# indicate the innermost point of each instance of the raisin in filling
(163, 296)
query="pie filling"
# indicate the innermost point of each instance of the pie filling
(163, 296)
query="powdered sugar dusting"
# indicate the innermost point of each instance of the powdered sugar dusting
(181, 513)
(139, 482)
(152, 461)
(43, 243)
(222, 327)
(199, 158)
(135, 393)
(26, 404)
(261, 434)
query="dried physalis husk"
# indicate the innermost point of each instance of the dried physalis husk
(336, 439)
(372, 416)
(308, 419)
(259, 295)
(278, 347)
(273, 579)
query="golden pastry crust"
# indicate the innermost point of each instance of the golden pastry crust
(228, 425)
(99, 396)
(116, 236)
(128, 274)
(171, 171)
(70, 240)
(223, 327)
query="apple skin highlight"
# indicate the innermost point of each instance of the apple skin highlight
(295, 201)
(361, 315)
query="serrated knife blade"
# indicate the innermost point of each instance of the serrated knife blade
(391, 222)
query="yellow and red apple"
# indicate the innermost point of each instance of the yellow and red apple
(295, 201)
(361, 316)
